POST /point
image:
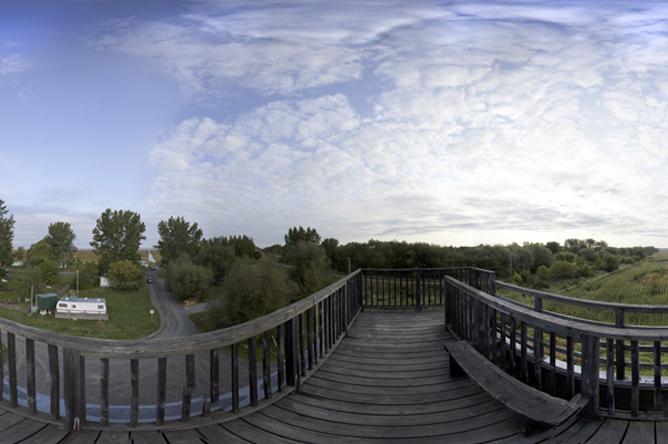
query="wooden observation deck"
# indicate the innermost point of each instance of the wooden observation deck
(326, 371)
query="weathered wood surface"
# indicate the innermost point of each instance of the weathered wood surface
(388, 381)
(516, 395)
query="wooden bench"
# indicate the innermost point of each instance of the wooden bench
(525, 400)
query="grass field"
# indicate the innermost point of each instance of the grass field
(129, 317)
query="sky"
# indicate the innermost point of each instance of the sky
(447, 122)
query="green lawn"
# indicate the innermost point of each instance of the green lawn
(129, 317)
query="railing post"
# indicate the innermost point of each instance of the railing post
(71, 389)
(590, 379)
(418, 293)
(619, 323)
(291, 354)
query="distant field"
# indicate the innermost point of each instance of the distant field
(645, 283)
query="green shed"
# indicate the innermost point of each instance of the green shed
(47, 301)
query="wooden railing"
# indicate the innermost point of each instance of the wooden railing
(148, 383)
(560, 354)
(417, 288)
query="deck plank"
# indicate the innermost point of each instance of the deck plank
(388, 381)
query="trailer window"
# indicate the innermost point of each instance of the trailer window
(100, 307)
(62, 305)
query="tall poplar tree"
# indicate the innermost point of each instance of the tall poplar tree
(117, 236)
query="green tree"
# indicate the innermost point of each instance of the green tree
(607, 262)
(217, 255)
(32, 281)
(309, 267)
(88, 277)
(6, 234)
(186, 280)
(125, 274)
(61, 237)
(588, 254)
(20, 254)
(40, 252)
(117, 236)
(49, 270)
(252, 289)
(177, 236)
(554, 247)
(300, 234)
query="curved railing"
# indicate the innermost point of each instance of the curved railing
(560, 354)
(148, 383)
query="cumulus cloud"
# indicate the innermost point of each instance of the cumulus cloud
(536, 119)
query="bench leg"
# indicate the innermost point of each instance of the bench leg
(456, 370)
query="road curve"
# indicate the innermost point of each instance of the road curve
(174, 320)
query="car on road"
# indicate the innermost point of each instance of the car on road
(149, 281)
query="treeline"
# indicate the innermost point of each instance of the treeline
(531, 263)
(246, 282)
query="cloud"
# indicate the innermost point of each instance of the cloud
(12, 64)
(538, 119)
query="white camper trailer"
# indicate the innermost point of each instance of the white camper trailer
(82, 308)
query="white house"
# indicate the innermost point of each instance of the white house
(82, 308)
(17, 264)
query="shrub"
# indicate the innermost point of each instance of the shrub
(252, 289)
(186, 280)
(563, 270)
(125, 274)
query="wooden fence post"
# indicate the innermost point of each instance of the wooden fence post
(590, 379)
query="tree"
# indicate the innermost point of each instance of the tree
(125, 274)
(117, 236)
(554, 247)
(217, 255)
(49, 271)
(607, 262)
(186, 280)
(253, 289)
(32, 281)
(61, 237)
(177, 236)
(588, 254)
(299, 234)
(6, 234)
(310, 267)
(20, 254)
(40, 252)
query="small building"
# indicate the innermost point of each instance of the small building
(105, 282)
(82, 308)
(17, 264)
(47, 301)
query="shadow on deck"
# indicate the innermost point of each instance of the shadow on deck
(388, 381)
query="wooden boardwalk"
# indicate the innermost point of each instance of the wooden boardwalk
(388, 381)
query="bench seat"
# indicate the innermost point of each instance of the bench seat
(516, 395)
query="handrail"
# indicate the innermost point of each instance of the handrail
(586, 303)
(290, 342)
(526, 341)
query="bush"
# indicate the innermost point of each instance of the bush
(186, 280)
(607, 262)
(125, 274)
(563, 270)
(49, 271)
(252, 289)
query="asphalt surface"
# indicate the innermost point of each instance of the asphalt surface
(174, 322)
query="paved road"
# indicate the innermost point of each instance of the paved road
(174, 322)
(174, 317)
